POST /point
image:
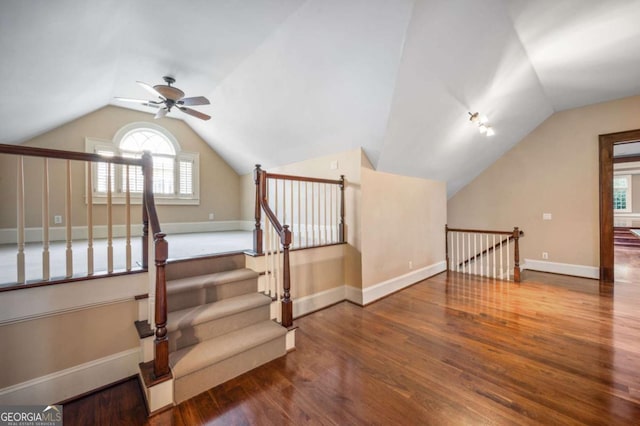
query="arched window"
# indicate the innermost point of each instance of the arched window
(175, 173)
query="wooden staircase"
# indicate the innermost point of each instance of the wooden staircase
(218, 325)
(622, 236)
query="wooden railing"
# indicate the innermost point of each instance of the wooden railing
(300, 212)
(69, 169)
(483, 252)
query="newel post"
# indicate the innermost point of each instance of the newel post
(341, 224)
(287, 304)
(257, 232)
(516, 255)
(446, 245)
(161, 343)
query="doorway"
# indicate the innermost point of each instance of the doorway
(607, 217)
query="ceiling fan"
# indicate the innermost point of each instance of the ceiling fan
(169, 97)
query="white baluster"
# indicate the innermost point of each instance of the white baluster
(458, 252)
(299, 214)
(508, 269)
(475, 253)
(501, 270)
(45, 221)
(291, 220)
(128, 220)
(109, 221)
(494, 255)
(69, 251)
(90, 167)
(306, 214)
(20, 222)
(481, 258)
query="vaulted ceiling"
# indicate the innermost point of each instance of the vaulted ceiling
(295, 79)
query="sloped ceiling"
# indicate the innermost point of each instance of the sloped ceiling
(293, 79)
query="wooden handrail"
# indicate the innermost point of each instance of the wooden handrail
(300, 178)
(512, 236)
(66, 155)
(479, 231)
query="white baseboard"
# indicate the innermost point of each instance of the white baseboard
(380, 290)
(353, 294)
(65, 384)
(58, 233)
(314, 302)
(561, 268)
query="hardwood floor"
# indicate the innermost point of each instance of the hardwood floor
(627, 264)
(463, 350)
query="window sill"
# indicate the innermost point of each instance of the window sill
(159, 201)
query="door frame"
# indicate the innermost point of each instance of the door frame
(607, 142)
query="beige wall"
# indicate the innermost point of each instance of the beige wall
(552, 170)
(219, 183)
(349, 165)
(37, 347)
(403, 222)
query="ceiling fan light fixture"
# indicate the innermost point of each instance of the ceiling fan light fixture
(482, 122)
(169, 92)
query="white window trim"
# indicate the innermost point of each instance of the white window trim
(92, 145)
(629, 208)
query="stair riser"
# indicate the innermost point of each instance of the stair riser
(199, 381)
(191, 335)
(211, 294)
(203, 265)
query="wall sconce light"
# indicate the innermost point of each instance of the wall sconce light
(482, 122)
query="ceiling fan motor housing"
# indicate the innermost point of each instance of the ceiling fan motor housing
(171, 93)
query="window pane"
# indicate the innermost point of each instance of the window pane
(135, 178)
(102, 173)
(619, 199)
(186, 178)
(620, 182)
(163, 175)
(147, 140)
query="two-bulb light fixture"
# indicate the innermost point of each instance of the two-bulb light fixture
(482, 122)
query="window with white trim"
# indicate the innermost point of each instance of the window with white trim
(175, 172)
(622, 193)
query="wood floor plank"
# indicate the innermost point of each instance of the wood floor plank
(449, 350)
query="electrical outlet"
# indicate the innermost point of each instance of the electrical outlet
(546, 216)
(545, 255)
(410, 265)
(57, 219)
(211, 216)
(334, 165)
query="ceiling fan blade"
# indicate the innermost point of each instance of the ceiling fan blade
(139, 101)
(150, 89)
(161, 113)
(194, 113)
(196, 100)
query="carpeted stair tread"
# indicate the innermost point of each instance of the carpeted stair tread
(203, 281)
(189, 317)
(193, 358)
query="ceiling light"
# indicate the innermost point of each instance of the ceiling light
(482, 122)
